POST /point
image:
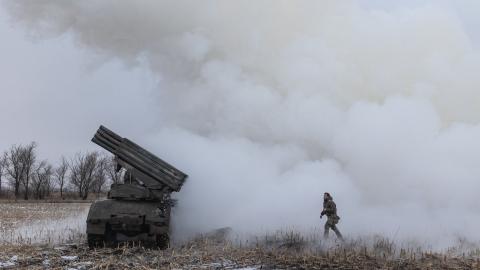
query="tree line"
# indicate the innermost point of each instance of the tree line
(24, 176)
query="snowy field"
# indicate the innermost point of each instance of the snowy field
(42, 223)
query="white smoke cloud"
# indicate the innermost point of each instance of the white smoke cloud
(268, 105)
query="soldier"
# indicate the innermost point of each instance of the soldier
(330, 209)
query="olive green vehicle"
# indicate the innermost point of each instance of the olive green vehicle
(139, 208)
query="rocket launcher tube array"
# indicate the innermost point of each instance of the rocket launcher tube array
(140, 159)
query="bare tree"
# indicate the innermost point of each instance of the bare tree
(28, 158)
(14, 167)
(83, 172)
(100, 175)
(41, 180)
(113, 171)
(3, 167)
(60, 175)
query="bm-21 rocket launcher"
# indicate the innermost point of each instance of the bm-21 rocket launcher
(139, 208)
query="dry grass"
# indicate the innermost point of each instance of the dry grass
(210, 254)
(40, 236)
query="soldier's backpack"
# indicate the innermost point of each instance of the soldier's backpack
(336, 219)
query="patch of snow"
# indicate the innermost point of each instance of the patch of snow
(69, 258)
(83, 265)
(7, 264)
(10, 263)
(87, 263)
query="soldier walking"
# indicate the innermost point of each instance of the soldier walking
(330, 210)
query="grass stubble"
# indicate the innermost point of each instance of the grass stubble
(63, 247)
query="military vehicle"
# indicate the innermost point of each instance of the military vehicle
(139, 208)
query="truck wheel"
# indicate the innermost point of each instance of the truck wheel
(162, 241)
(110, 237)
(95, 240)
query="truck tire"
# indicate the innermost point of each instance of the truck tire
(162, 241)
(110, 237)
(95, 240)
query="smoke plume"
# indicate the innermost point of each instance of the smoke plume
(267, 105)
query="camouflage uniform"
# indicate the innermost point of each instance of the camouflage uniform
(330, 209)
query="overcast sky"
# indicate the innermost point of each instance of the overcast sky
(57, 94)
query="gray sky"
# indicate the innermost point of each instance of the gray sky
(57, 94)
